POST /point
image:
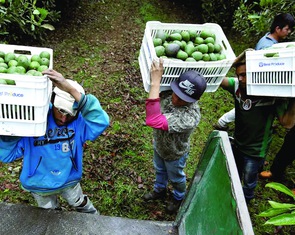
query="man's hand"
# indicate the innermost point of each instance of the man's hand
(58, 80)
(288, 119)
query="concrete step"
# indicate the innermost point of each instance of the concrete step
(18, 219)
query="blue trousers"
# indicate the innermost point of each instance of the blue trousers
(248, 169)
(172, 171)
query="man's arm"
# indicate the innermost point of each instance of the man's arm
(225, 83)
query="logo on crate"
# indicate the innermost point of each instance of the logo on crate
(264, 64)
(11, 94)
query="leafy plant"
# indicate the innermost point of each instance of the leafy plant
(220, 12)
(253, 20)
(26, 18)
(280, 213)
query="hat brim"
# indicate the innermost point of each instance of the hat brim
(175, 88)
(64, 104)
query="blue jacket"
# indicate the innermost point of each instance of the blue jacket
(54, 161)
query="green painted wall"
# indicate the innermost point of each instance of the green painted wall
(215, 203)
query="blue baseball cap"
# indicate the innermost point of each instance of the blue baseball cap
(189, 86)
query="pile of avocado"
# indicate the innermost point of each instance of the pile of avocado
(12, 63)
(188, 45)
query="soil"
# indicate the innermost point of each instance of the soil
(117, 25)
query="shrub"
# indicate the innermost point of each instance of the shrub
(252, 21)
(219, 11)
(29, 19)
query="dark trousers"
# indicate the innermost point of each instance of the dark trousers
(248, 168)
(284, 157)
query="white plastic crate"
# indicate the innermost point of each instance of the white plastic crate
(213, 71)
(271, 76)
(283, 44)
(24, 106)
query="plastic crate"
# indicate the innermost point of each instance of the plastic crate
(283, 45)
(213, 71)
(24, 106)
(271, 76)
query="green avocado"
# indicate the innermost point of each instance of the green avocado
(175, 36)
(181, 55)
(203, 48)
(10, 82)
(160, 50)
(161, 34)
(190, 48)
(197, 55)
(157, 41)
(271, 54)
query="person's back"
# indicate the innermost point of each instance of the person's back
(173, 115)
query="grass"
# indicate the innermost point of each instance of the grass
(92, 47)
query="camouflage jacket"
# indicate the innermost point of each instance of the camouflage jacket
(182, 121)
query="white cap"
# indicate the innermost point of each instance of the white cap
(64, 100)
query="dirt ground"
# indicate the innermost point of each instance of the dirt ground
(117, 25)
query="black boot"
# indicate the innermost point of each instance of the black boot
(155, 195)
(173, 206)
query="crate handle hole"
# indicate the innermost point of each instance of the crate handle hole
(24, 52)
(224, 45)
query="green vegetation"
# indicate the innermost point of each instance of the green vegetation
(253, 19)
(219, 11)
(118, 167)
(20, 19)
(280, 213)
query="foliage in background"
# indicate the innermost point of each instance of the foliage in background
(26, 19)
(219, 11)
(280, 213)
(253, 20)
(32, 19)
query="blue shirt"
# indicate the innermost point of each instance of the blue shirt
(265, 42)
